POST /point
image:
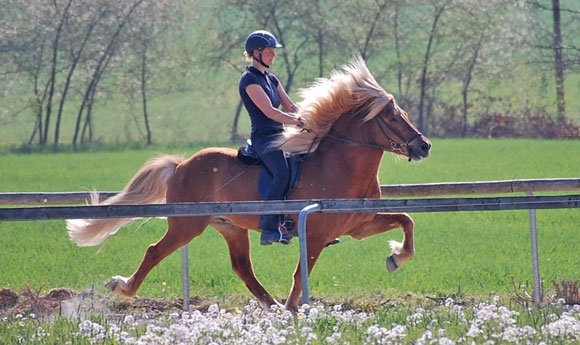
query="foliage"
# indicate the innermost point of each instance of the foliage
(73, 52)
(531, 126)
(505, 125)
(64, 63)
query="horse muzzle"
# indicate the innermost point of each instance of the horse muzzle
(418, 148)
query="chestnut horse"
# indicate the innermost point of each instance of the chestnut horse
(351, 121)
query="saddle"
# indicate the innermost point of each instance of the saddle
(248, 155)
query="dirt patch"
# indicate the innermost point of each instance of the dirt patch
(8, 299)
(65, 302)
(28, 302)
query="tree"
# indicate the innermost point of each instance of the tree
(64, 58)
(564, 55)
(33, 54)
(151, 52)
(438, 9)
(52, 44)
(79, 30)
(488, 37)
(119, 17)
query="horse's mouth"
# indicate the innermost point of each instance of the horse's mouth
(419, 150)
(415, 157)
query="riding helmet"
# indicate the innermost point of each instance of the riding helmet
(261, 39)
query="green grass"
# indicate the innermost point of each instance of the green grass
(476, 253)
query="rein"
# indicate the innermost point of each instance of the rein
(394, 146)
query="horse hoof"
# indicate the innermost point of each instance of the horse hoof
(332, 243)
(391, 264)
(112, 285)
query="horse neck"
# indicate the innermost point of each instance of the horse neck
(358, 164)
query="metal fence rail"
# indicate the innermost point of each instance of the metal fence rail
(304, 207)
(291, 207)
(398, 191)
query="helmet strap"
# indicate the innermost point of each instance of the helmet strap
(260, 60)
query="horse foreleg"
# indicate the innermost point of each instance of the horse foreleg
(383, 222)
(239, 246)
(179, 232)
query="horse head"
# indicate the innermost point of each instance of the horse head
(395, 133)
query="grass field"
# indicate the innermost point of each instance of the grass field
(475, 253)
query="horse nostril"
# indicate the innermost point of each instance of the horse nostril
(426, 146)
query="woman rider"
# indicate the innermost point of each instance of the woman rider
(262, 94)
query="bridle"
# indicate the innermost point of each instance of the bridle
(393, 146)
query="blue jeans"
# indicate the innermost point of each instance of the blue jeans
(275, 161)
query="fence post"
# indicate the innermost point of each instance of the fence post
(537, 295)
(185, 276)
(302, 216)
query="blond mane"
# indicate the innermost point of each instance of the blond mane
(327, 99)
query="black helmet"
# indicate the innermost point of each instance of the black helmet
(259, 40)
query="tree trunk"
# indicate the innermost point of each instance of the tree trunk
(424, 83)
(234, 135)
(422, 123)
(466, 82)
(398, 51)
(558, 62)
(53, 72)
(144, 94)
(76, 58)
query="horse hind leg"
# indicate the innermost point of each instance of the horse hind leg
(238, 242)
(180, 231)
(383, 222)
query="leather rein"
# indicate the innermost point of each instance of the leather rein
(394, 146)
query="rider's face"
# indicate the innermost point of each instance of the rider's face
(268, 55)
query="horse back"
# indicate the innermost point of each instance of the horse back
(213, 175)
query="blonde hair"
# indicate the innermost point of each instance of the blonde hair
(248, 57)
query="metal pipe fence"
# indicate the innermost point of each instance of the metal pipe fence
(304, 207)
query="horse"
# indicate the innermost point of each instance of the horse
(349, 122)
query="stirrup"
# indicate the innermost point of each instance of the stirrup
(275, 235)
(287, 226)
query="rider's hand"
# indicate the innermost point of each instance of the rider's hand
(300, 123)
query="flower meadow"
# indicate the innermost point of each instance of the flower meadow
(446, 323)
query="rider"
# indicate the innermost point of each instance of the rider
(262, 94)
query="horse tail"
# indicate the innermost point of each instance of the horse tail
(148, 186)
